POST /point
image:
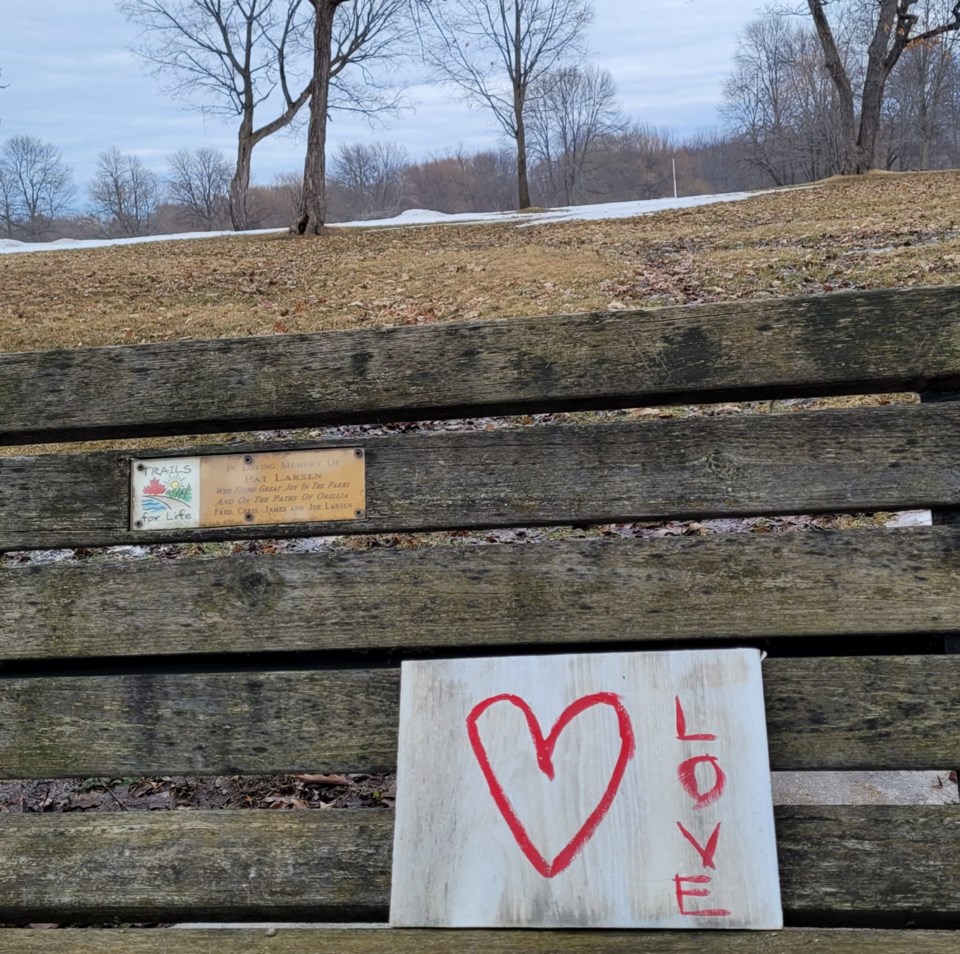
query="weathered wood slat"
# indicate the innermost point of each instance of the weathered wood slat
(873, 713)
(880, 855)
(749, 586)
(223, 724)
(369, 940)
(839, 866)
(871, 459)
(861, 713)
(845, 343)
(164, 866)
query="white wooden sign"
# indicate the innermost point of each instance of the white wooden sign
(599, 790)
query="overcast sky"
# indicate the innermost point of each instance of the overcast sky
(72, 81)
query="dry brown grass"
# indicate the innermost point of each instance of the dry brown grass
(894, 230)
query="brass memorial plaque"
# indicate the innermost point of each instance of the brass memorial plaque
(242, 490)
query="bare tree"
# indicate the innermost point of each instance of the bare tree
(893, 29)
(290, 186)
(780, 103)
(232, 58)
(350, 38)
(917, 119)
(571, 110)
(493, 51)
(36, 186)
(124, 194)
(371, 177)
(199, 182)
(312, 212)
(8, 215)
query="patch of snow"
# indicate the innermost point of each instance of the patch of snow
(59, 245)
(911, 518)
(414, 217)
(571, 213)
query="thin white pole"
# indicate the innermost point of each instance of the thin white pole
(674, 176)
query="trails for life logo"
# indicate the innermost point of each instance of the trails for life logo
(165, 494)
(596, 790)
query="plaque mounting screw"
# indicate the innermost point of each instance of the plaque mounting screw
(359, 513)
(247, 459)
(248, 517)
(358, 452)
(138, 523)
(141, 467)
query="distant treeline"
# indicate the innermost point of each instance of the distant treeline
(783, 124)
(782, 106)
(366, 181)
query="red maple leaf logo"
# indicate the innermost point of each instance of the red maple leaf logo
(154, 488)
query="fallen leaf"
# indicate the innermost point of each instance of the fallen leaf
(324, 779)
(285, 801)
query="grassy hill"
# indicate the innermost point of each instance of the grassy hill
(878, 231)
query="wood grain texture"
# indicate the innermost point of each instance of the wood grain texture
(869, 713)
(862, 713)
(844, 343)
(748, 586)
(207, 724)
(885, 853)
(362, 940)
(944, 515)
(167, 866)
(883, 866)
(856, 459)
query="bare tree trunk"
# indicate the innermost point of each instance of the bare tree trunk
(313, 200)
(869, 123)
(891, 36)
(519, 94)
(240, 184)
(833, 63)
(927, 129)
(879, 65)
(523, 184)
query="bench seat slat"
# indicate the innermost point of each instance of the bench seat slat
(746, 586)
(400, 941)
(840, 866)
(833, 713)
(888, 340)
(887, 458)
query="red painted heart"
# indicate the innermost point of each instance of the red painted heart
(544, 748)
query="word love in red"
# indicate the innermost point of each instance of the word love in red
(544, 747)
(701, 798)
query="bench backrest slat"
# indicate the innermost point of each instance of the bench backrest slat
(821, 714)
(571, 592)
(833, 460)
(335, 865)
(859, 341)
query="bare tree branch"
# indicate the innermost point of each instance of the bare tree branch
(357, 35)
(124, 194)
(492, 50)
(199, 182)
(246, 57)
(891, 28)
(36, 186)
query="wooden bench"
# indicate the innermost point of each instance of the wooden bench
(288, 662)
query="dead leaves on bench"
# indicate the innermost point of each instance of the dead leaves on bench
(180, 792)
